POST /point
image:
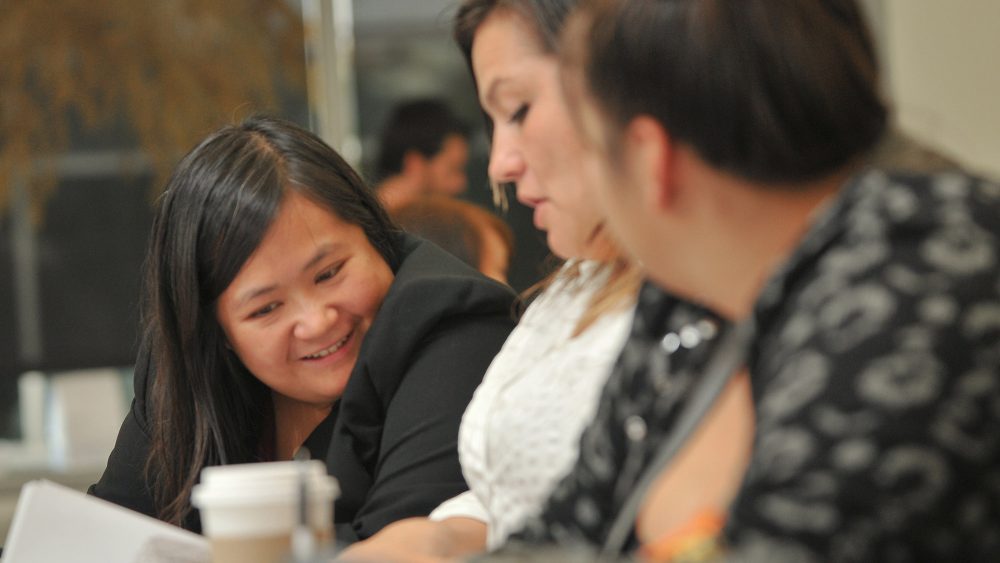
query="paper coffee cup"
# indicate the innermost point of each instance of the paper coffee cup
(249, 511)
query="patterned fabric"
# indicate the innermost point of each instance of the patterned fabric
(520, 433)
(640, 401)
(876, 380)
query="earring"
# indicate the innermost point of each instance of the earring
(499, 195)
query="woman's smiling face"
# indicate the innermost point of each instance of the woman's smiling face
(299, 308)
(534, 142)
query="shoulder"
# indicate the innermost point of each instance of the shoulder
(905, 285)
(876, 362)
(435, 300)
(430, 284)
(880, 202)
(914, 234)
(899, 232)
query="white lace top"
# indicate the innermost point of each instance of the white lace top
(520, 433)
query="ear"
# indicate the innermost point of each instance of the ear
(414, 163)
(649, 151)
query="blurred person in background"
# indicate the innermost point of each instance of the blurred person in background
(477, 237)
(423, 150)
(283, 308)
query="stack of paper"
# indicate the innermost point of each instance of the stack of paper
(55, 523)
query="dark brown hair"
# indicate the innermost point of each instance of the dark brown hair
(546, 16)
(420, 125)
(206, 408)
(778, 91)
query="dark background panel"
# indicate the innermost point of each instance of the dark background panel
(8, 334)
(91, 250)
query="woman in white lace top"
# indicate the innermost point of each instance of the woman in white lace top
(521, 432)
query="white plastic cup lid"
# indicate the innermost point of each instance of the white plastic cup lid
(262, 499)
(263, 483)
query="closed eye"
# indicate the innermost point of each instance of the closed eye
(329, 273)
(265, 310)
(518, 116)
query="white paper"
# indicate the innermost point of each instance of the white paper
(53, 523)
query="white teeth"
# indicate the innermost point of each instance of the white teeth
(324, 353)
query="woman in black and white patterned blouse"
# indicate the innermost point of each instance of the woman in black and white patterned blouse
(734, 135)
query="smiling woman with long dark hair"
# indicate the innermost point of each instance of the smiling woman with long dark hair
(283, 308)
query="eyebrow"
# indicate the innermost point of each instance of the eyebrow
(322, 252)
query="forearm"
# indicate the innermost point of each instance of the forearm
(459, 537)
(419, 540)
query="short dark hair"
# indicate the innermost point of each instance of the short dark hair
(775, 91)
(219, 203)
(420, 125)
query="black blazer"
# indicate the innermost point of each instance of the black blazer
(391, 439)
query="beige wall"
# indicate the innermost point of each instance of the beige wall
(943, 59)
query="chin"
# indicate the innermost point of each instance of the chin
(560, 249)
(338, 385)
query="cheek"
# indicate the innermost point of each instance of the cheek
(601, 180)
(586, 214)
(368, 303)
(623, 220)
(259, 350)
(253, 344)
(543, 146)
(369, 292)
(578, 187)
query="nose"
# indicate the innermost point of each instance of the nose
(506, 162)
(314, 320)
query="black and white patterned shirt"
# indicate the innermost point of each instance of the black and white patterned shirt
(876, 378)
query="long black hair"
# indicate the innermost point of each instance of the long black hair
(207, 409)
